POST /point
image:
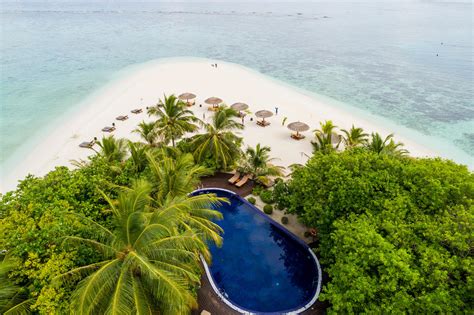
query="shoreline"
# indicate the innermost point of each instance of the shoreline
(142, 85)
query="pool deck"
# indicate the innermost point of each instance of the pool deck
(220, 180)
(207, 299)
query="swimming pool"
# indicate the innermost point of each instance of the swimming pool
(261, 267)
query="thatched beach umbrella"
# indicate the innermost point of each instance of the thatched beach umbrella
(298, 126)
(239, 106)
(264, 114)
(187, 96)
(214, 101)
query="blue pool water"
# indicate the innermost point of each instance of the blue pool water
(261, 267)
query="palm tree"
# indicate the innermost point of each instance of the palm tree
(148, 133)
(354, 137)
(138, 155)
(257, 163)
(13, 298)
(174, 175)
(326, 138)
(149, 261)
(219, 142)
(385, 146)
(174, 119)
(111, 149)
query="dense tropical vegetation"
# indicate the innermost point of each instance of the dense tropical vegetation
(120, 233)
(395, 234)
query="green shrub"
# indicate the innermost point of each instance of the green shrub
(267, 196)
(268, 209)
(257, 190)
(402, 223)
(284, 220)
(281, 194)
(252, 200)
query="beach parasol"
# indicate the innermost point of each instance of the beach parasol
(214, 101)
(298, 126)
(239, 106)
(187, 96)
(264, 114)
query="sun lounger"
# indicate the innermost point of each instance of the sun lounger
(87, 145)
(297, 136)
(243, 181)
(234, 178)
(137, 111)
(263, 123)
(108, 129)
(191, 103)
(122, 118)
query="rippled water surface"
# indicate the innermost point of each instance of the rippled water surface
(409, 62)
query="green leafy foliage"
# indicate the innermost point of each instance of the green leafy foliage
(395, 233)
(267, 196)
(33, 225)
(252, 200)
(268, 209)
(284, 220)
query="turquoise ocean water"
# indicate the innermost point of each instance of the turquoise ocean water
(410, 62)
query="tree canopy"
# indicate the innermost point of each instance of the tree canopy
(395, 234)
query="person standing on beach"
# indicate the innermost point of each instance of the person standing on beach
(276, 110)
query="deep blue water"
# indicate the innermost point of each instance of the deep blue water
(410, 62)
(260, 267)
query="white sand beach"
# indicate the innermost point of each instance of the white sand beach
(233, 83)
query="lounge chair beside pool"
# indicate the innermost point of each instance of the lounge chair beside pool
(122, 118)
(243, 181)
(87, 144)
(136, 111)
(234, 178)
(108, 129)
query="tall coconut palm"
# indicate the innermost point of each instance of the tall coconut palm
(385, 146)
(174, 175)
(219, 142)
(174, 119)
(149, 260)
(257, 162)
(327, 139)
(111, 149)
(354, 137)
(148, 133)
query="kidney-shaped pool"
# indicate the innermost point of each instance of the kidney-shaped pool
(261, 267)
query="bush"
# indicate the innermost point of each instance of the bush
(268, 209)
(267, 196)
(257, 190)
(281, 194)
(284, 220)
(252, 200)
(402, 226)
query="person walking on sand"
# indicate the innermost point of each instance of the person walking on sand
(276, 110)
(203, 116)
